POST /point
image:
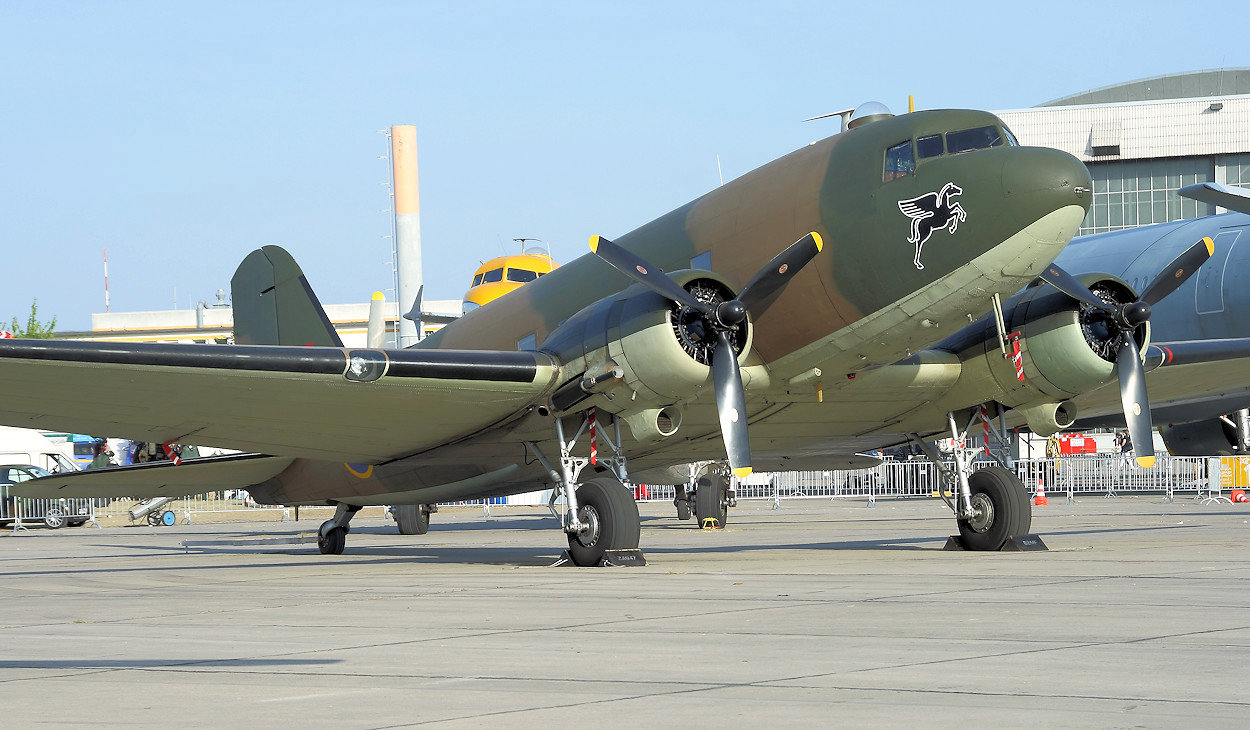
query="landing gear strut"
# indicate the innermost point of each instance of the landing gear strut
(991, 505)
(332, 535)
(602, 514)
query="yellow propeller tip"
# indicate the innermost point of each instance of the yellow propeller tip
(1145, 462)
(594, 243)
(1210, 245)
(377, 296)
(742, 472)
(820, 243)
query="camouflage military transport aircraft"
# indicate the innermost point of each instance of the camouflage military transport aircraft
(704, 336)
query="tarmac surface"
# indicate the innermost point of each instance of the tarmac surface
(830, 613)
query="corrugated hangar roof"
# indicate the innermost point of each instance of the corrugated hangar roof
(1187, 85)
(1138, 130)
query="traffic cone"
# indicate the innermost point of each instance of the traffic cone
(1039, 500)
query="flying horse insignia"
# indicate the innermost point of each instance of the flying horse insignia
(930, 212)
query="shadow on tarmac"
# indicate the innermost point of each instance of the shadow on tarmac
(518, 556)
(157, 663)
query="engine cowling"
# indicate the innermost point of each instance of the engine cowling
(638, 354)
(1066, 349)
(1069, 348)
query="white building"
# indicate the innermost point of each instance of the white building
(1142, 140)
(216, 323)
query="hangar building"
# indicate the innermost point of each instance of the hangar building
(1144, 139)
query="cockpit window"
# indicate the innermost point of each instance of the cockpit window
(521, 275)
(930, 146)
(477, 279)
(899, 161)
(1011, 138)
(973, 139)
(492, 276)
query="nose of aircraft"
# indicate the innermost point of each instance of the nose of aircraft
(1043, 180)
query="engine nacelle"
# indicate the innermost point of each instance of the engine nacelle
(1214, 437)
(1069, 349)
(1066, 349)
(637, 354)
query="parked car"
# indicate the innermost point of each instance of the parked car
(53, 512)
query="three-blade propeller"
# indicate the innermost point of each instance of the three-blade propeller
(722, 318)
(1123, 320)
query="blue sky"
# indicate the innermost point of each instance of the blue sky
(180, 136)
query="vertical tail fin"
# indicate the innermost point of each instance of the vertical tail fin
(274, 305)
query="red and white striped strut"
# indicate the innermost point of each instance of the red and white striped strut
(1016, 358)
(985, 426)
(175, 455)
(594, 441)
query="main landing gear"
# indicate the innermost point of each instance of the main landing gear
(602, 514)
(332, 535)
(708, 497)
(992, 505)
(413, 519)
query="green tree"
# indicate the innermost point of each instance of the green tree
(34, 328)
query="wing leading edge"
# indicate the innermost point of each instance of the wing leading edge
(364, 406)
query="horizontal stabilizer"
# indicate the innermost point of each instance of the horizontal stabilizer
(157, 479)
(1225, 196)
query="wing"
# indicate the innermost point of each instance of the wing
(158, 479)
(364, 406)
(923, 207)
(1180, 373)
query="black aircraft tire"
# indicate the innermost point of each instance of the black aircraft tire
(1008, 510)
(683, 508)
(332, 541)
(612, 515)
(710, 501)
(412, 519)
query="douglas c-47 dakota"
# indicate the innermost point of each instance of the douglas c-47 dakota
(828, 303)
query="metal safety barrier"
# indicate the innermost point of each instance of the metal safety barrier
(1069, 476)
(17, 513)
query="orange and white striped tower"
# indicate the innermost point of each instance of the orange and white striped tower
(407, 231)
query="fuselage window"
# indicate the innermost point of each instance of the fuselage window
(477, 279)
(521, 275)
(899, 161)
(930, 146)
(973, 139)
(492, 276)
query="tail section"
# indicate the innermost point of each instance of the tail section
(274, 305)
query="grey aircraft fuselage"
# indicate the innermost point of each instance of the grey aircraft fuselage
(1211, 305)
